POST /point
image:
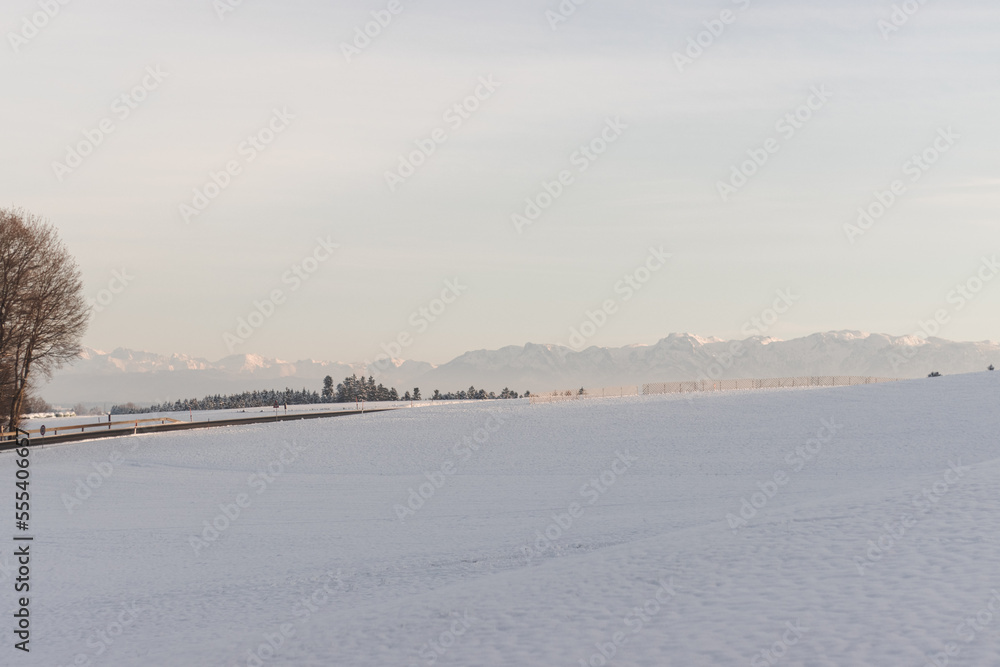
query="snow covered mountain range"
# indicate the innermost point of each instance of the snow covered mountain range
(127, 375)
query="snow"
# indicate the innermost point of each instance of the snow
(880, 537)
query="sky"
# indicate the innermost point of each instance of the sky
(265, 177)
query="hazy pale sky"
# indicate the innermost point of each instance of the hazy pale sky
(833, 109)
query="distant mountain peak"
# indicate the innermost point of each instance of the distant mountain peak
(134, 375)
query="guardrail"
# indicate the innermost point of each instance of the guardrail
(709, 385)
(137, 427)
(94, 425)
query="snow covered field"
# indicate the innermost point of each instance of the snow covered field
(844, 526)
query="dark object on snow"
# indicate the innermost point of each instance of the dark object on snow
(934, 374)
(991, 368)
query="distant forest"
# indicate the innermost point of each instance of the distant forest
(351, 390)
(248, 399)
(358, 389)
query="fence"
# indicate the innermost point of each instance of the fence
(710, 385)
(599, 392)
(162, 425)
(54, 430)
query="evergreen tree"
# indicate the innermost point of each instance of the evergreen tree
(350, 390)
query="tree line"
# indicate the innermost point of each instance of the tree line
(43, 313)
(351, 390)
(43, 316)
(476, 394)
(354, 389)
(248, 399)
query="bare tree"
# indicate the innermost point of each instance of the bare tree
(33, 404)
(43, 314)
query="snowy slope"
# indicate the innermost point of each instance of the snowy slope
(125, 375)
(652, 570)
